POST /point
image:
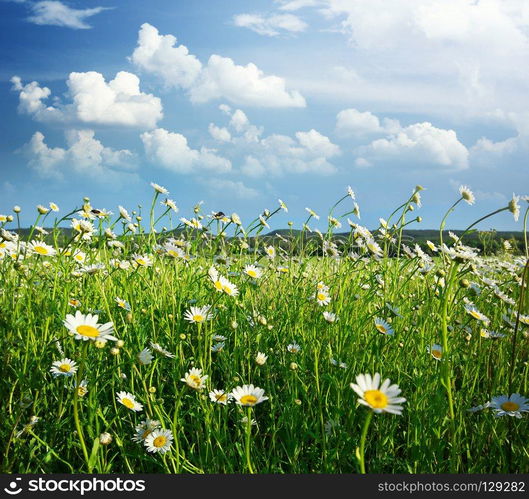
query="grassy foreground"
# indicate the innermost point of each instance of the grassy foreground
(180, 324)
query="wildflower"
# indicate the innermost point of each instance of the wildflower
(283, 206)
(53, 207)
(142, 260)
(144, 429)
(467, 194)
(312, 213)
(218, 347)
(474, 312)
(42, 209)
(198, 315)
(63, 367)
(159, 441)
(330, 317)
(105, 438)
(41, 248)
(253, 271)
(293, 348)
(260, 359)
(122, 304)
(322, 298)
(145, 357)
(195, 379)
(124, 214)
(270, 251)
(248, 395)
(436, 351)
(383, 398)
(160, 350)
(351, 193)
(82, 388)
(485, 333)
(220, 397)
(479, 407)
(512, 405)
(383, 327)
(514, 207)
(228, 287)
(159, 188)
(128, 400)
(86, 327)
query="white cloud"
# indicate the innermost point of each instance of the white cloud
(270, 25)
(221, 134)
(54, 13)
(230, 188)
(418, 145)
(219, 78)
(171, 150)
(94, 101)
(85, 155)
(351, 122)
(277, 155)
(291, 5)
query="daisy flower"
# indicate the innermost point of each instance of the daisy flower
(513, 405)
(253, 271)
(63, 367)
(41, 248)
(145, 357)
(514, 207)
(248, 395)
(322, 298)
(86, 327)
(228, 287)
(161, 351)
(436, 351)
(293, 348)
(122, 303)
(82, 388)
(142, 260)
(159, 441)
(383, 327)
(474, 312)
(220, 397)
(467, 194)
(128, 400)
(195, 379)
(283, 206)
(380, 398)
(270, 251)
(330, 317)
(53, 207)
(144, 429)
(261, 359)
(198, 315)
(159, 188)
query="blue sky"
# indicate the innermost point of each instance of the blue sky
(240, 103)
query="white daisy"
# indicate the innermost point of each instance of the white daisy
(198, 315)
(145, 357)
(195, 379)
(383, 398)
(86, 327)
(128, 400)
(63, 367)
(159, 441)
(512, 405)
(220, 397)
(248, 395)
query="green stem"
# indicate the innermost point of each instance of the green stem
(248, 439)
(363, 442)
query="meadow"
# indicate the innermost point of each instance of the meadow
(202, 348)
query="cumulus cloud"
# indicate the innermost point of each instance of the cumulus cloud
(270, 25)
(171, 151)
(419, 145)
(230, 188)
(351, 122)
(94, 101)
(221, 134)
(292, 5)
(54, 13)
(219, 78)
(84, 155)
(276, 154)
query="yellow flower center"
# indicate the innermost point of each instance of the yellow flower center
(221, 397)
(381, 328)
(65, 368)
(159, 441)
(195, 380)
(82, 391)
(146, 433)
(248, 400)
(218, 285)
(41, 250)
(437, 354)
(376, 399)
(198, 318)
(510, 406)
(227, 290)
(172, 253)
(127, 403)
(140, 261)
(79, 258)
(322, 297)
(89, 331)
(252, 273)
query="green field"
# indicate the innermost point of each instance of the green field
(445, 324)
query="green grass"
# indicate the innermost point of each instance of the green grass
(311, 422)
